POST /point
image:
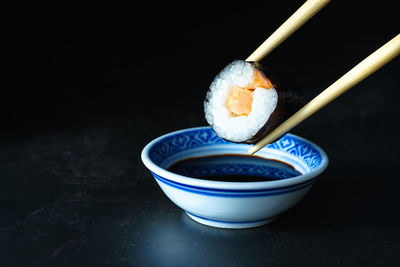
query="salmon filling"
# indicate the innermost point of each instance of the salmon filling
(240, 99)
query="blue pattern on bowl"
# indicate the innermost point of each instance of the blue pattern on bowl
(234, 192)
(233, 204)
(202, 137)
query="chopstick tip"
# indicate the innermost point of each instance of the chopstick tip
(252, 150)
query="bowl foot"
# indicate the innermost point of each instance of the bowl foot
(230, 225)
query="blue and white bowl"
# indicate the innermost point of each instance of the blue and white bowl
(232, 204)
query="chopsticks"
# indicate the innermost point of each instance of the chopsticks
(365, 68)
(301, 16)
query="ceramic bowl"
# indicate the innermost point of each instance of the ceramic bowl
(232, 204)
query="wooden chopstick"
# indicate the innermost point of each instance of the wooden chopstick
(365, 68)
(301, 16)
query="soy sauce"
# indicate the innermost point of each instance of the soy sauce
(234, 168)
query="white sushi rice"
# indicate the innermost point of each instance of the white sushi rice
(224, 123)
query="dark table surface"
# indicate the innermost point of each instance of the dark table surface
(84, 92)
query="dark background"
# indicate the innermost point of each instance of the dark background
(84, 89)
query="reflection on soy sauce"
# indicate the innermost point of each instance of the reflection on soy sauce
(234, 168)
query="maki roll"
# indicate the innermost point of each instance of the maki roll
(244, 102)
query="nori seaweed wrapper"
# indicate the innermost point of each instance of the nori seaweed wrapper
(290, 100)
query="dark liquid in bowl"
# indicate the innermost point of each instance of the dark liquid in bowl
(234, 168)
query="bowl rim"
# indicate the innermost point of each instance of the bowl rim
(185, 180)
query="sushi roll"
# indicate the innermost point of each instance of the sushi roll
(244, 103)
